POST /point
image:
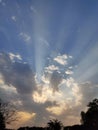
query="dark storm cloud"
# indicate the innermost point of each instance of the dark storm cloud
(21, 77)
(17, 74)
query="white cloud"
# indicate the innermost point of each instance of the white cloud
(13, 56)
(52, 68)
(72, 88)
(69, 72)
(25, 37)
(6, 88)
(61, 59)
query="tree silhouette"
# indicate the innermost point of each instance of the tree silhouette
(7, 114)
(90, 118)
(54, 125)
(2, 122)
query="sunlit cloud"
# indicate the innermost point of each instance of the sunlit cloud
(56, 110)
(71, 119)
(15, 56)
(72, 89)
(61, 59)
(45, 79)
(23, 118)
(45, 93)
(51, 68)
(8, 89)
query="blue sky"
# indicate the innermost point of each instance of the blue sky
(49, 47)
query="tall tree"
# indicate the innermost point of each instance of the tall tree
(90, 118)
(54, 125)
(7, 114)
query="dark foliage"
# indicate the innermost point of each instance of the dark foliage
(54, 125)
(90, 118)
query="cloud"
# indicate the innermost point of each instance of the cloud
(13, 18)
(15, 56)
(70, 67)
(72, 88)
(44, 42)
(70, 57)
(25, 37)
(45, 93)
(89, 91)
(69, 72)
(45, 98)
(61, 59)
(55, 80)
(33, 9)
(57, 109)
(24, 117)
(70, 100)
(17, 75)
(45, 79)
(52, 79)
(51, 68)
(57, 94)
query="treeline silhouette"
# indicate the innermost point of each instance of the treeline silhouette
(89, 120)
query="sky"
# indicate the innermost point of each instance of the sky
(48, 58)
